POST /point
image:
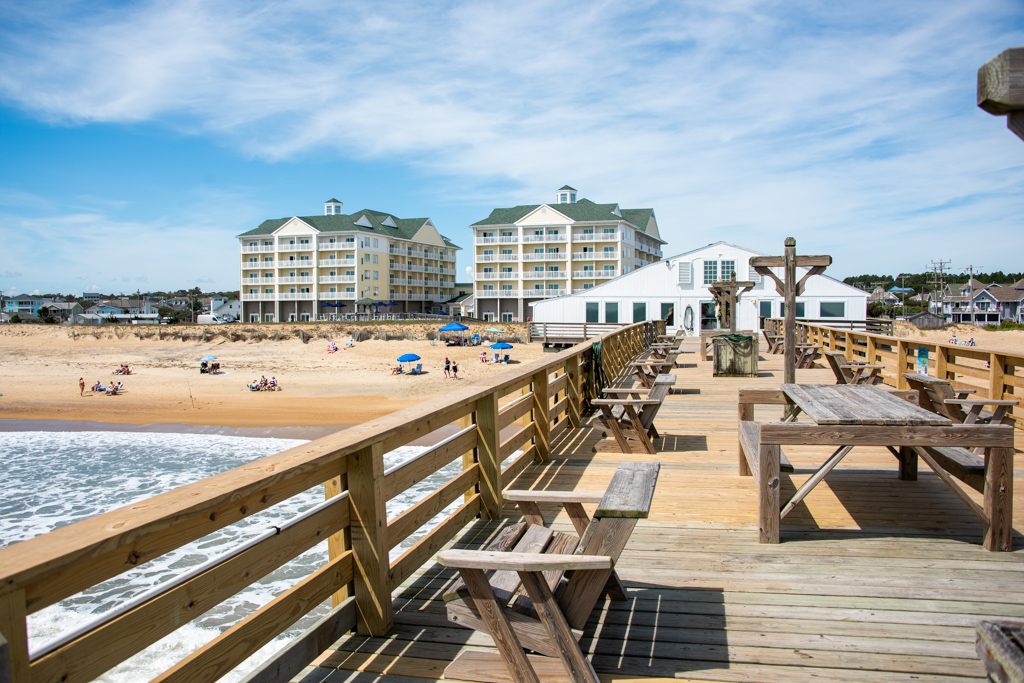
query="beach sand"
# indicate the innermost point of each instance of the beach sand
(40, 366)
(1008, 341)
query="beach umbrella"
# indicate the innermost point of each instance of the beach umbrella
(208, 358)
(495, 330)
(408, 358)
(501, 346)
(453, 327)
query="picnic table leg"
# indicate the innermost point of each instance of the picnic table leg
(768, 484)
(492, 613)
(613, 425)
(641, 433)
(908, 463)
(999, 498)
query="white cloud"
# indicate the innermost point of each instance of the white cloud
(850, 126)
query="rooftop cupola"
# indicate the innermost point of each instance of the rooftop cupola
(332, 207)
(565, 195)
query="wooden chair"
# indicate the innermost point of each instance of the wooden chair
(775, 341)
(629, 413)
(852, 372)
(647, 369)
(939, 396)
(806, 354)
(528, 601)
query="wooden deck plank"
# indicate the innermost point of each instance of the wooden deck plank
(877, 579)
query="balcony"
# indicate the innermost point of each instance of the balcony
(328, 246)
(497, 293)
(295, 247)
(258, 248)
(298, 280)
(485, 240)
(295, 296)
(593, 273)
(486, 258)
(334, 279)
(413, 268)
(508, 258)
(595, 256)
(306, 263)
(258, 281)
(336, 296)
(487, 276)
(545, 275)
(543, 238)
(508, 275)
(257, 296)
(547, 256)
(543, 293)
(336, 263)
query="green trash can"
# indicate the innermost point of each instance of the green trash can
(735, 355)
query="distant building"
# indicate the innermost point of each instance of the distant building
(94, 297)
(990, 305)
(25, 304)
(63, 310)
(676, 290)
(926, 320)
(883, 297)
(523, 254)
(231, 308)
(291, 266)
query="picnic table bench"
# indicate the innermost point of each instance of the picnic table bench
(629, 412)
(775, 341)
(527, 600)
(852, 372)
(806, 354)
(846, 416)
(648, 367)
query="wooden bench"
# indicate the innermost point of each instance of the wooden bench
(852, 372)
(775, 341)
(528, 601)
(806, 354)
(647, 368)
(629, 413)
(1000, 645)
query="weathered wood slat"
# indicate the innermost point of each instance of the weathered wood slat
(412, 518)
(515, 410)
(418, 468)
(515, 468)
(631, 491)
(413, 558)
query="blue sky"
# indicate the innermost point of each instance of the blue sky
(138, 138)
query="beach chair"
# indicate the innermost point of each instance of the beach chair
(852, 372)
(505, 360)
(628, 413)
(496, 357)
(528, 601)
(418, 370)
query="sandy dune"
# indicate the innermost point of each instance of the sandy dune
(40, 367)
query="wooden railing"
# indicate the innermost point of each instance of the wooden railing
(993, 373)
(875, 325)
(566, 333)
(518, 411)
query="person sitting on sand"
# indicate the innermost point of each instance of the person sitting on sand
(483, 356)
(97, 387)
(397, 370)
(952, 340)
(273, 384)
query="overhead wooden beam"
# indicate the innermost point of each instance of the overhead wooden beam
(780, 261)
(1001, 88)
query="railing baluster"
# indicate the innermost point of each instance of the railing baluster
(487, 449)
(541, 421)
(371, 568)
(14, 630)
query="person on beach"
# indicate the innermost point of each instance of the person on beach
(455, 369)
(447, 367)
(483, 356)
(81, 386)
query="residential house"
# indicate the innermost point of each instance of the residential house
(523, 254)
(990, 305)
(25, 304)
(63, 311)
(290, 267)
(879, 295)
(676, 290)
(229, 308)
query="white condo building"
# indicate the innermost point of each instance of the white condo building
(291, 268)
(528, 253)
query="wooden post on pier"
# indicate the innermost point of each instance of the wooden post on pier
(14, 634)
(574, 405)
(541, 419)
(791, 289)
(727, 293)
(488, 457)
(1001, 88)
(369, 519)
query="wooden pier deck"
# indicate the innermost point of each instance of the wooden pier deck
(876, 579)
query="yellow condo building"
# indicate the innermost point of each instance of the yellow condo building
(299, 268)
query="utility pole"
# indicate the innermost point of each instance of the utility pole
(938, 269)
(970, 287)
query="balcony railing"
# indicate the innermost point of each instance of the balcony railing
(306, 263)
(248, 265)
(290, 296)
(543, 238)
(547, 256)
(545, 275)
(257, 296)
(246, 249)
(485, 240)
(258, 281)
(295, 247)
(486, 276)
(593, 273)
(336, 296)
(543, 293)
(497, 293)
(333, 279)
(298, 280)
(336, 262)
(508, 258)
(486, 258)
(595, 255)
(327, 246)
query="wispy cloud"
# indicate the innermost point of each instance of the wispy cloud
(848, 125)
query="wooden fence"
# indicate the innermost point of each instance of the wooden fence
(542, 399)
(874, 325)
(994, 374)
(566, 333)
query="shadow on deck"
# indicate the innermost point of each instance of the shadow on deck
(876, 579)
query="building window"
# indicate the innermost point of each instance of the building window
(375, 257)
(639, 311)
(376, 291)
(506, 288)
(506, 317)
(832, 309)
(799, 309)
(376, 275)
(552, 269)
(376, 244)
(592, 311)
(710, 272)
(766, 309)
(269, 317)
(667, 312)
(552, 286)
(611, 312)
(728, 268)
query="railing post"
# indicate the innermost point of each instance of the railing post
(901, 363)
(869, 350)
(368, 514)
(849, 344)
(14, 631)
(996, 371)
(469, 457)
(572, 392)
(339, 542)
(941, 359)
(541, 420)
(489, 457)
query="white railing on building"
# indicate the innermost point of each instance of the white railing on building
(333, 279)
(304, 263)
(328, 246)
(547, 256)
(293, 296)
(484, 258)
(298, 280)
(336, 263)
(257, 296)
(508, 258)
(246, 249)
(593, 273)
(336, 296)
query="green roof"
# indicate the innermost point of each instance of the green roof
(580, 212)
(405, 228)
(566, 187)
(336, 201)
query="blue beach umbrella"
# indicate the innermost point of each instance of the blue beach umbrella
(453, 327)
(408, 358)
(501, 346)
(208, 358)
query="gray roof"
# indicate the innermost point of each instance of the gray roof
(582, 211)
(405, 228)
(1006, 293)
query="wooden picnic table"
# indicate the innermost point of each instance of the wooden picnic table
(846, 416)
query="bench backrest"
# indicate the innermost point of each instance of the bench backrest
(627, 499)
(836, 359)
(932, 393)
